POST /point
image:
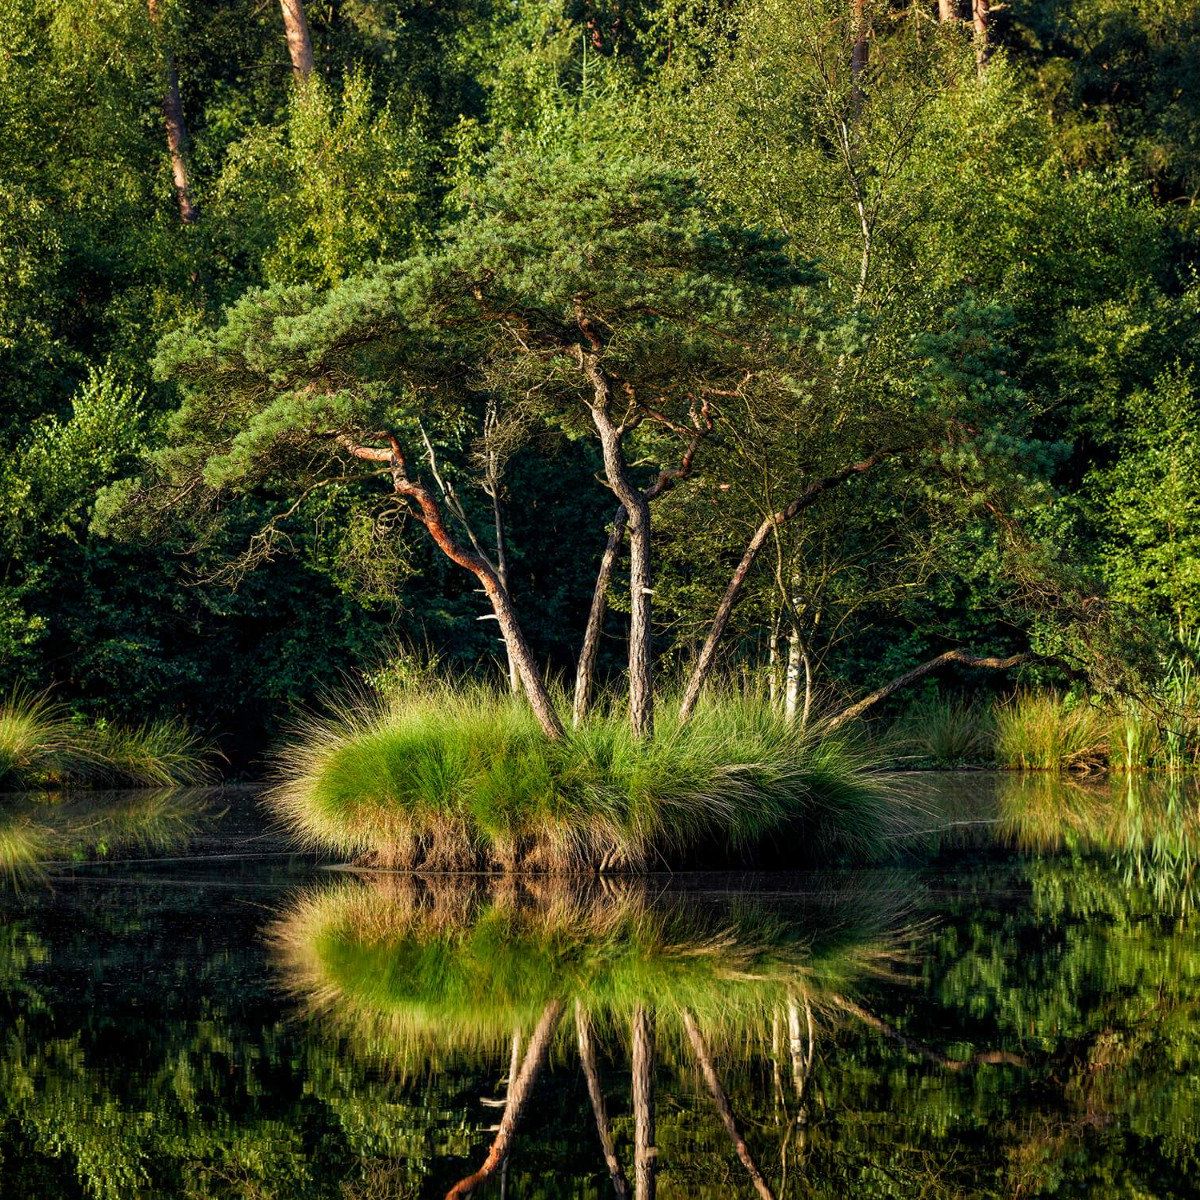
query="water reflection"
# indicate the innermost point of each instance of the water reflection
(38, 829)
(984, 1024)
(1146, 827)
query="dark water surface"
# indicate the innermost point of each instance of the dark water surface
(1013, 1010)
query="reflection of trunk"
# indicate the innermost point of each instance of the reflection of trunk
(810, 495)
(644, 1150)
(585, 674)
(801, 1060)
(298, 41)
(172, 107)
(429, 513)
(922, 1050)
(724, 1111)
(587, 1056)
(519, 1091)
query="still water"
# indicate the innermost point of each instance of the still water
(1012, 1009)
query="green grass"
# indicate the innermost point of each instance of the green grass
(1043, 731)
(459, 777)
(946, 732)
(41, 746)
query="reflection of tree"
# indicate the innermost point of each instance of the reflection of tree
(416, 973)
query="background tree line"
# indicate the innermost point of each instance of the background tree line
(988, 225)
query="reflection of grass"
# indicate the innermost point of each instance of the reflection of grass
(458, 967)
(40, 746)
(459, 777)
(37, 830)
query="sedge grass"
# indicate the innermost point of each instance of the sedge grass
(461, 777)
(41, 746)
(1043, 731)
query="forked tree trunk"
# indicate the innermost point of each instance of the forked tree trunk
(585, 673)
(980, 14)
(519, 1091)
(811, 494)
(724, 1111)
(645, 1152)
(587, 1056)
(637, 508)
(172, 107)
(299, 43)
(429, 513)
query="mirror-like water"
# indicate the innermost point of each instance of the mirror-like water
(1012, 1011)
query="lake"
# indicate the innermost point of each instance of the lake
(1011, 1008)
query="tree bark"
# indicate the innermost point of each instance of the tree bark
(585, 673)
(637, 509)
(429, 513)
(791, 690)
(724, 1111)
(980, 14)
(645, 1152)
(299, 42)
(176, 126)
(858, 56)
(708, 652)
(519, 1091)
(894, 685)
(947, 11)
(587, 1056)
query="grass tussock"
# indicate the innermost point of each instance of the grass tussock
(461, 777)
(42, 746)
(1043, 731)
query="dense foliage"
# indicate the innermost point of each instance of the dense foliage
(793, 240)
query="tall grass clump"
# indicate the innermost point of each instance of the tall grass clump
(1044, 731)
(447, 777)
(42, 746)
(946, 732)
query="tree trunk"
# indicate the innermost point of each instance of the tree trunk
(299, 43)
(587, 1056)
(585, 673)
(429, 513)
(791, 691)
(894, 685)
(645, 1152)
(519, 1091)
(637, 508)
(172, 107)
(708, 652)
(858, 56)
(947, 10)
(724, 1111)
(514, 676)
(980, 14)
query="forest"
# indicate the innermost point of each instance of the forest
(603, 346)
